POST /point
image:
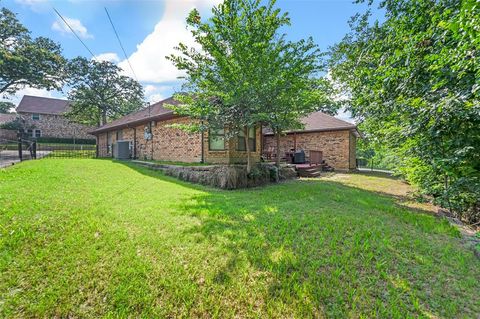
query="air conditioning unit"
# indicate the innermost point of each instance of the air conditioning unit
(121, 150)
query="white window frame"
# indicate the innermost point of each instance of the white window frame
(36, 115)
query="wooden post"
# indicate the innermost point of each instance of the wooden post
(294, 142)
(97, 141)
(20, 153)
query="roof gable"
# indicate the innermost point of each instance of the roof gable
(319, 121)
(42, 105)
(322, 121)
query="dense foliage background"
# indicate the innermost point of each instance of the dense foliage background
(413, 82)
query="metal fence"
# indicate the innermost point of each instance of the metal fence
(13, 151)
(58, 150)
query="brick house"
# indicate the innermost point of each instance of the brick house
(152, 137)
(6, 134)
(45, 117)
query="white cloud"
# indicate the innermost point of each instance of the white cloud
(108, 56)
(154, 93)
(148, 60)
(154, 98)
(35, 5)
(75, 24)
(345, 115)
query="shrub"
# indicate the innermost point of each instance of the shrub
(66, 140)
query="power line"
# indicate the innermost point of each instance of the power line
(120, 42)
(65, 21)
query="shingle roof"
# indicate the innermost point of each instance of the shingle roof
(154, 112)
(5, 118)
(319, 121)
(42, 105)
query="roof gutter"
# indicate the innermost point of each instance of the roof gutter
(318, 130)
(162, 117)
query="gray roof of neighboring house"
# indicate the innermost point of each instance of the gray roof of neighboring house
(5, 118)
(319, 121)
(42, 105)
(154, 112)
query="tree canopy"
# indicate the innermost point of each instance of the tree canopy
(25, 61)
(414, 83)
(6, 107)
(100, 93)
(245, 72)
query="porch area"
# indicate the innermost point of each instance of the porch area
(306, 166)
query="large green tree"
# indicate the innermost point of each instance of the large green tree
(6, 107)
(414, 83)
(25, 61)
(99, 93)
(245, 70)
(293, 95)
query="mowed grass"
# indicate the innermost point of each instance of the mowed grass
(93, 238)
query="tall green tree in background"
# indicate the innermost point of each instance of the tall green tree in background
(25, 61)
(100, 93)
(414, 83)
(246, 73)
(6, 107)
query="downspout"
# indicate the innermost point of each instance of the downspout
(202, 158)
(349, 150)
(135, 143)
(151, 140)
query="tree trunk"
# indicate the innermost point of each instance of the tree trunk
(247, 148)
(103, 120)
(277, 142)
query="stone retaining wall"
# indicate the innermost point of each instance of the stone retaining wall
(224, 176)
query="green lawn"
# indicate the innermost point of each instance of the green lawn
(97, 238)
(71, 153)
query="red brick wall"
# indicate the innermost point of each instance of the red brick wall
(173, 144)
(353, 151)
(231, 155)
(338, 147)
(167, 144)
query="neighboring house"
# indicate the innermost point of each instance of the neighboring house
(45, 117)
(152, 136)
(6, 134)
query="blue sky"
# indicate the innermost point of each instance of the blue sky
(150, 29)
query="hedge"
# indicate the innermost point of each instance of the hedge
(66, 140)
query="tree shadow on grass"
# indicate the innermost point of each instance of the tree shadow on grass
(319, 248)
